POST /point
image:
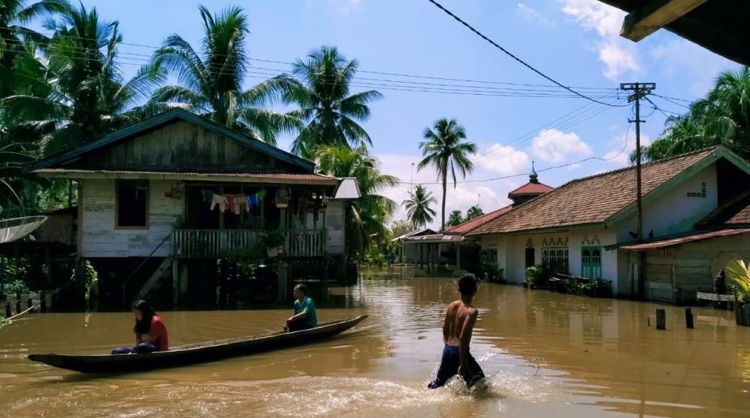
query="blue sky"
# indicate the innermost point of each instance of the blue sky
(574, 41)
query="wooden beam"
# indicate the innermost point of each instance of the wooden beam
(655, 15)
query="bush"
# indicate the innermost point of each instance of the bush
(538, 276)
(13, 287)
(739, 274)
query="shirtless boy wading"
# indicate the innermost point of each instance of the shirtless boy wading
(457, 328)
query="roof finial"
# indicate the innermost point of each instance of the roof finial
(533, 177)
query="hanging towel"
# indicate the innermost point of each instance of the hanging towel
(220, 200)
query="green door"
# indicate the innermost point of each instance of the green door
(591, 262)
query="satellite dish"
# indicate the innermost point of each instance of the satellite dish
(16, 228)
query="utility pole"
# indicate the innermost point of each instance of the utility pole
(640, 90)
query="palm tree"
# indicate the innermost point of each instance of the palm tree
(443, 149)
(14, 14)
(78, 93)
(211, 82)
(368, 214)
(418, 208)
(473, 212)
(721, 118)
(455, 218)
(330, 113)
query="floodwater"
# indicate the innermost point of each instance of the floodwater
(545, 355)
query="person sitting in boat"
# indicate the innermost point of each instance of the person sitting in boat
(150, 332)
(304, 311)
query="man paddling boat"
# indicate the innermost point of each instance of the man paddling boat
(304, 311)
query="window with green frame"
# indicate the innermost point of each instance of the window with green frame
(591, 262)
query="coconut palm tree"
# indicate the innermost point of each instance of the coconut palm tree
(455, 218)
(443, 148)
(368, 214)
(418, 208)
(211, 81)
(721, 118)
(13, 15)
(474, 212)
(331, 115)
(78, 92)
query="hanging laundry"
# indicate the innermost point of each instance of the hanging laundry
(207, 195)
(217, 199)
(261, 194)
(236, 201)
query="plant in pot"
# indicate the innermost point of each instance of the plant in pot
(739, 274)
(273, 239)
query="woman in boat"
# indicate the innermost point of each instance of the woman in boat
(150, 332)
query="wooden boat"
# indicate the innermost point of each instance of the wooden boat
(194, 353)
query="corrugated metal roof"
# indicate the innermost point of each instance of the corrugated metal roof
(435, 238)
(283, 178)
(685, 239)
(478, 221)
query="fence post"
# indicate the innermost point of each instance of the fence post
(689, 318)
(661, 319)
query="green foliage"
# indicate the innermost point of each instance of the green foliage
(211, 79)
(538, 276)
(721, 118)
(330, 113)
(273, 238)
(739, 273)
(418, 206)
(443, 149)
(474, 212)
(84, 277)
(455, 218)
(15, 287)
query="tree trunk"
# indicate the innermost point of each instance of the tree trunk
(445, 179)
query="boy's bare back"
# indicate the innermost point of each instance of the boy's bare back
(459, 322)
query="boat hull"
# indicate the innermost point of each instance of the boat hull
(196, 353)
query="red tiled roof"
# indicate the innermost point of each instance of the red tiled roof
(478, 221)
(290, 178)
(684, 239)
(530, 188)
(590, 200)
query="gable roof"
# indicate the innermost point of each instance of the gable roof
(530, 188)
(735, 212)
(474, 223)
(165, 118)
(604, 197)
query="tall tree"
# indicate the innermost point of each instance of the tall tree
(473, 212)
(13, 15)
(443, 149)
(78, 92)
(721, 118)
(418, 208)
(211, 82)
(455, 218)
(369, 213)
(331, 115)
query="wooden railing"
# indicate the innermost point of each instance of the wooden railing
(305, 243)
(215, 243)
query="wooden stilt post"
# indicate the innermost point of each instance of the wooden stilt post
(661, 319)
(689, 318)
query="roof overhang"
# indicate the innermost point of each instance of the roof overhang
(720, 26)
(434, 239)
(684, 239)
(348, 189)
(265, 178)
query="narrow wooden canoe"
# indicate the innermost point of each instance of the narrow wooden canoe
(194, 353)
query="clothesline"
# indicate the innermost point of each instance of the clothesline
(233, 203)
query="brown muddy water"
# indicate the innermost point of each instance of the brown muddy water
(545, 355)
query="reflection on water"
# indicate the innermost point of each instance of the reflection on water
(545, 354)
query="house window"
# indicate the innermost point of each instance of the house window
(555, 259)
(591, 262)
(131, 203)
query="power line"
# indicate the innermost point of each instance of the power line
(522, 62)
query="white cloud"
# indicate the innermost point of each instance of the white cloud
(554, 146)
(594, 15)
(618, 55)
(503, 159)
(532, 15)
(346, 7)
(618, 58)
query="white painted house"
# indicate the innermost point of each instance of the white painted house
(171, 195)
(587, 227)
